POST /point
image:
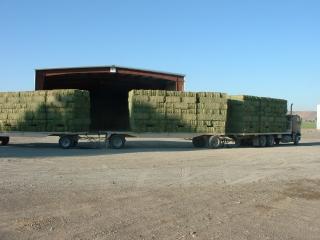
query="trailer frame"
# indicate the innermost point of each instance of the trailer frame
(117, 139)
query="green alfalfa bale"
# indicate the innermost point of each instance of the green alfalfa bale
(203, 117)
(209, 100)
(157, 99)
(188, 117)
(208, 111)
(187, 94)
(181, 105)
(172, 116)
(189, 99)
(3, 116)
(141, 116)
(173, 94)
(173, 110)
(135, 92)
(3, 99)
(16, 116)
(139, 98)
(173, 99)
(189, 111)
(160, 93)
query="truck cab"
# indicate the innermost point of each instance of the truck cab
(294, 127)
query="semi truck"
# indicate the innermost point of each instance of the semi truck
(109, 87)
(117, 139)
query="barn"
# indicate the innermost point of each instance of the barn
(108, 87)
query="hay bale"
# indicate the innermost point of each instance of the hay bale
(183, 111)
(36, 110)
(251, 114)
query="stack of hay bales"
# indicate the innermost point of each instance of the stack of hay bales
(45, 111)
(181, 111)
(211, 112)
(68, 110)
(250, 114)
(147, 110)
(22, 111)
(173, 111)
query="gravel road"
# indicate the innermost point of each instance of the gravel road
(154, 189)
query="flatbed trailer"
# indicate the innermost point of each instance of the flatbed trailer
(117, 139)
(66, 139)
(200, 140)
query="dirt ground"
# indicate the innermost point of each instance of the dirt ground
(159, 190)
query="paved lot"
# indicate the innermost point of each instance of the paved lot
(159, 190)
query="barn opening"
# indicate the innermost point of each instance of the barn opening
(108, 87)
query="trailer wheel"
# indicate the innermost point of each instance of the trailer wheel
(4, 140)
(117, 141)
(270, 141)
(199, 142)
(66, 142)
(262, 141)
(214, 142)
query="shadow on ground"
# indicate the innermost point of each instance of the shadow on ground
(34, 150)
(39, 150)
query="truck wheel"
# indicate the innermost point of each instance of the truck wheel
(262, 141)
(199, 142)
(296, 140)
(214, 142)
(66, 142)
(256, 141)
(270, 141)
(4, 140)
(117, 141)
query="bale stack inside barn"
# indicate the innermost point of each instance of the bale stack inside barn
(250, 114)
(45, 111)
(174, 111)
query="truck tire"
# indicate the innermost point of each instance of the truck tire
(199, 142)
(256, 141)
(4, 140)
(270, 141)
(296, 140)
(214, 142)
(117, 141)
(262, 141)
(66, 142)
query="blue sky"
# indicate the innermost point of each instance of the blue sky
(266, 48)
